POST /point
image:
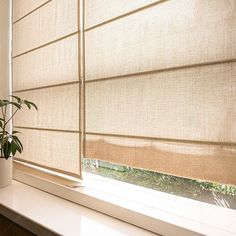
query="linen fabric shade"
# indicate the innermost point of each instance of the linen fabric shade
(147, 84)
(46, 71)
(161, 86)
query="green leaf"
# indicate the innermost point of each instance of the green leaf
(15, 132)
(6, 132)
(32, 104)
(27, 104)
(5, 102)
(17, 140)
(15, 104)
(17, 146)
(17, 98)
(6, 149)
(13, 148)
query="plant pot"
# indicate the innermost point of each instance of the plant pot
(5, 172)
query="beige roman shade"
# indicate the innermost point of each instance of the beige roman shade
(46, 71)
(160, 82)
(149, 84)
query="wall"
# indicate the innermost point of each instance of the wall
(4, 48)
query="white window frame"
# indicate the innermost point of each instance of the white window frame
(158, 212)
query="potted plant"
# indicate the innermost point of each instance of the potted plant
(10, 144)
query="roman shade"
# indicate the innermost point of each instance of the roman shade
(161, 86)
(46, 71)
(146, 84)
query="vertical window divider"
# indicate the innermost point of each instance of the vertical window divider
(81, 68)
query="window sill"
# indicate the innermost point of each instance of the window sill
(45, 214)
(158, 212)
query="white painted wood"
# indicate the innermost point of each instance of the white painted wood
(61, 216)
(5, 165)
(162, 213)
(5, 172)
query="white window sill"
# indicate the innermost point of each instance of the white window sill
(58, 215)
(159, 212)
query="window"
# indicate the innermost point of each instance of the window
(144, 84)
(213, 193)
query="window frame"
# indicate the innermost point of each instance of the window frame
(95, 192)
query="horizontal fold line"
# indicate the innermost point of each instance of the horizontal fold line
(56, 170)
(47, 86)
(48, 129)
(164, 139)
(162, 70)
(46, 44)
(29, 13)
(124, 15)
